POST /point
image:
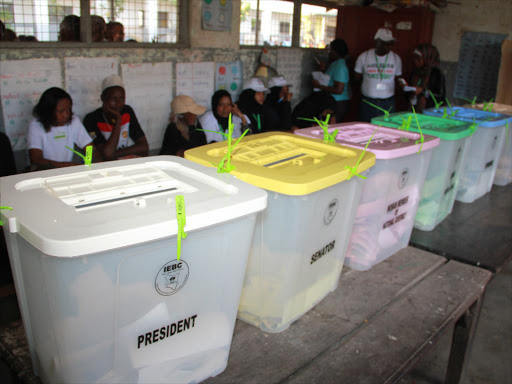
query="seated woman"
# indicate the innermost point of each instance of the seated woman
(319, 105)
(279, 103)
(182, 132)
(251, 103)
(54, 128)
(427, 78)
(217, 119)
(114, 126)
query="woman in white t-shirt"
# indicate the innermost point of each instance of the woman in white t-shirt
(53, 128)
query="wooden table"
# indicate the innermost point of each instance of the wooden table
(479, 233)
(372, 329)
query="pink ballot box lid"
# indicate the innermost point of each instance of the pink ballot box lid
(386, 143)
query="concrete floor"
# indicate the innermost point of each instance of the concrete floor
(488, 362)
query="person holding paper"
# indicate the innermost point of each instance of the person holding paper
(114, 126)
(53, 129)
(183, 132)
(379, 69)
(216, 121)
(279, 102)
(426, 79)
(338, 85)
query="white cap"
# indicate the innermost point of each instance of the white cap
(278, 81)
(384, 35)
(112, 81)
(255, 84)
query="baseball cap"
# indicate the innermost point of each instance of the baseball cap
(255, 84)
(112, 81)
(278, 81)
(183, 104)
(384, 35)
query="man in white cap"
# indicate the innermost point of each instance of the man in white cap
(379, 68)
(114, 128)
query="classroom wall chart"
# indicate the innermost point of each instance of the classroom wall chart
(196, 80)
(149, 92)
(22, 83)
(229, 76)
(83, 81)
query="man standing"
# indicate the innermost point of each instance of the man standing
(378, 68)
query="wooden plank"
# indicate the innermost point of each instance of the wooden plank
(461, 236)
(258, 357)
(389, 345)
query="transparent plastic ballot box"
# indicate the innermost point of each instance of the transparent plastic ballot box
(446, 165)
(484, 152)
(300, 240)
(391, 193)
(503, 174)
(103, 295)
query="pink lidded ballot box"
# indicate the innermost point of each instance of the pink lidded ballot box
(391, 192)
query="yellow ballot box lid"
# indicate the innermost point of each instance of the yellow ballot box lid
(287, 163)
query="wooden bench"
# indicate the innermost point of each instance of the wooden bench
(372, 329)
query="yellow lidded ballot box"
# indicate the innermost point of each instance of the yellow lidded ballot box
(300, 240)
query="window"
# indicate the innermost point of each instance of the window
(317, 26)
(143, 20)
(273, 20)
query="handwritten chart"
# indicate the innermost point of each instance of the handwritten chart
(149, 92)
(22, 83)
(229, 76)
(196, 80)
(289, 65)
(83, 81)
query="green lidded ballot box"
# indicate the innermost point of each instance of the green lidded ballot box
(447, 162)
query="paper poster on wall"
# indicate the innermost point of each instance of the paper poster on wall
(216, 15)
(149, 92)
(196, 80)
(229, 76)
(22, 83)
(83, 81)
(289, 65)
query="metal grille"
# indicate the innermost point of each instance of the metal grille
(266, 22)
(143, 20)
(318, 26)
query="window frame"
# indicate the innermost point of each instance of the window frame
(183, 40)
(296, 20)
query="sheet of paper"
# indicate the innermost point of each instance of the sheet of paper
(196, 80)
(22, 83)
(83, 81)
(289, 65)
(149, 92)
(229, 76)
(321, 77)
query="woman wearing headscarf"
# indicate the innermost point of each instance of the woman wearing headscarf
(279, 103)
(252, 103)
(216, 121)
(427, 78)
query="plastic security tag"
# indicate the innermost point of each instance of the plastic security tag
(88, 154)
(386, 113)
(353, 170)
(8, 208)
(182, 221)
